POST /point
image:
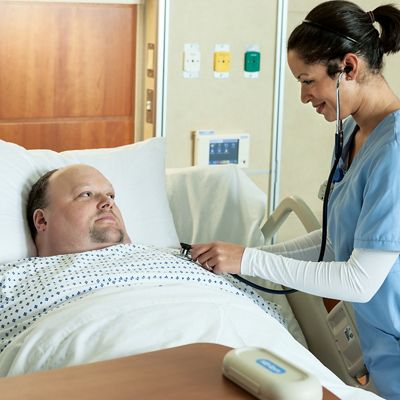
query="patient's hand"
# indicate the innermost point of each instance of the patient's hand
(219, 257)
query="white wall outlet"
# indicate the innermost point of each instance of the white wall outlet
(191, 60)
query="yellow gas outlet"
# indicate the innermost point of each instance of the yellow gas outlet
(222, 61)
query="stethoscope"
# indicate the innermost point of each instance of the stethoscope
(338, 155)
(185, 248)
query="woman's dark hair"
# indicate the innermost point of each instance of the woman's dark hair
(337, 27)
(37, 199)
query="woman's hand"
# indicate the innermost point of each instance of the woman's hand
(219, 257)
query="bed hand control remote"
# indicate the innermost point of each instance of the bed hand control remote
(269, 377)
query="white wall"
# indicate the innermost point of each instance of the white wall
(230, 105)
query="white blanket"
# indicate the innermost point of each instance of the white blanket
(131, 299)
(35, 286)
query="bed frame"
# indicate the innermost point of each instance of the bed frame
(331, 334)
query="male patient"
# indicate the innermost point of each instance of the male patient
(72, 210)
(84, 249)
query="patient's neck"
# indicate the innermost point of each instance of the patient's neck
(46, 249)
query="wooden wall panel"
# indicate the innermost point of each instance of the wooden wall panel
(67, 69)
(70, 134)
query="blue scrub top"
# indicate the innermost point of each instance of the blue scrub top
(364, 212)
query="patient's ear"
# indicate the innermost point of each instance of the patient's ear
(39, 220)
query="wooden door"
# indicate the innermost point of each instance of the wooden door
(67, 74)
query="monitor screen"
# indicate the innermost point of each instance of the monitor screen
(224, 151)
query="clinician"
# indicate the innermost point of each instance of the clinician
(338, 40)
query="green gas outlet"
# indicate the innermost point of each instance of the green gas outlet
(252, 61)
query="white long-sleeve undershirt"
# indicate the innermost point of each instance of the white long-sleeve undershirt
(306, 248)
(356, 280)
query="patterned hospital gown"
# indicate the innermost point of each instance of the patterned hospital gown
(32, 287)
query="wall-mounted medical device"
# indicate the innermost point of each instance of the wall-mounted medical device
(217, 149)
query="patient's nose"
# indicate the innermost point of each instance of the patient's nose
(106, 202)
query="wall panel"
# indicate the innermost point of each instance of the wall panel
(231, 105)
(67, 69)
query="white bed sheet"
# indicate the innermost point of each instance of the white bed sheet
(155, 314)
(116, 322)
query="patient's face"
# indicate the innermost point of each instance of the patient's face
(81, 213)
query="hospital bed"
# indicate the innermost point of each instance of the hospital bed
(162, 208)
(326, 334)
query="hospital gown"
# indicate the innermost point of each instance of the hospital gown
(33, 287)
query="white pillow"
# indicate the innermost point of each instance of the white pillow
(136, 171)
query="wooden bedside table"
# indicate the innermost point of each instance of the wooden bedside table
(186, 372)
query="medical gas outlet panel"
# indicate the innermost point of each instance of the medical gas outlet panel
(222, 60)
(211, 148)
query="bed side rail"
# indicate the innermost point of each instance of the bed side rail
(286, 206)
(331, 336)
